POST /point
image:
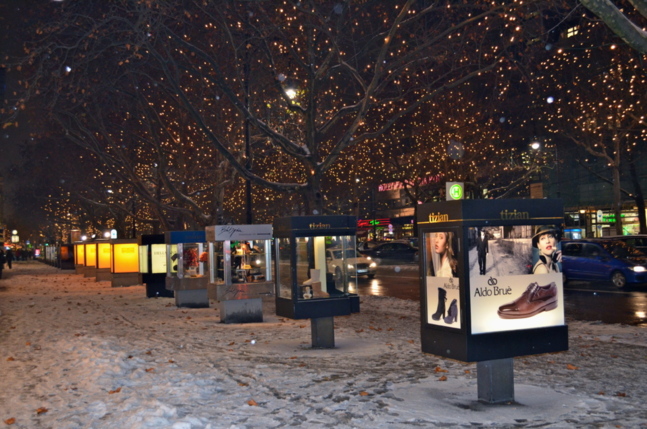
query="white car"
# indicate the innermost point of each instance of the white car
(353, 260)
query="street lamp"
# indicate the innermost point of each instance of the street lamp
(537, 144)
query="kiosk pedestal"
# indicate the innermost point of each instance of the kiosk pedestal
(495, 381)
(189, 292)
(491, 285)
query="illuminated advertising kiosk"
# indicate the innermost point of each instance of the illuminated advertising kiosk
(185, 268)
(104, 261)
(90, 259)
(491, 285)
(307, 284)
(79, 257)
(240, 270)
(124, 263)
(152, 265)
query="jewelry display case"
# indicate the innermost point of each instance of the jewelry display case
(240, 270)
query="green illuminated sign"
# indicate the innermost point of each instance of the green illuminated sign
(454, 190)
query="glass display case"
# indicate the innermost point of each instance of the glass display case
(309, 285)
(186, 273)
(324, 266)
(240, 270)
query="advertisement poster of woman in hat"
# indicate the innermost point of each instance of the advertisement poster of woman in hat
(547, 255)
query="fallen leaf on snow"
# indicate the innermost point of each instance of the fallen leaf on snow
(443, 378)
(252, 403)
(10, 359)
(41, 410)
(10, 421)
(439, 369)
(150, 369)
(571, 367)
(363, 393)
(117, 390)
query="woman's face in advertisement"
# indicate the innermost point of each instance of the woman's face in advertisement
(546, 244)
(440, 242)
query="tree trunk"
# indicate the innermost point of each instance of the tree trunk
(639, 198)
(617, 199)
(312, 197)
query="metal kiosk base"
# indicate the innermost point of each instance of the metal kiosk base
(495, 381)
(323, 332)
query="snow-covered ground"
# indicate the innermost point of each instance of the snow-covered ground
(75, 353)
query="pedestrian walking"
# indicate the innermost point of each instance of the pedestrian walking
(3, 259)
(9, 257)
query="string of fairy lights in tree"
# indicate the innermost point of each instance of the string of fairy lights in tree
(167, 94)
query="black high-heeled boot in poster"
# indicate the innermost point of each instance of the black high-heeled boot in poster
(452, 313)
(440, 311)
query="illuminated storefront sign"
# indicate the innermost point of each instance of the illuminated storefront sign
(372, 223)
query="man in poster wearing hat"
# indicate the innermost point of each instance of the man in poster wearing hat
(545, 240)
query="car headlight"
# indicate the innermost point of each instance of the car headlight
(373, 265)
(638, 269)
(351, 267)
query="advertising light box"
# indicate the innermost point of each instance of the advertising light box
(79, 249)
(492, 283)
(158, 258)
(143, 259)
(103, 255)
(90, 254)
(125, 258)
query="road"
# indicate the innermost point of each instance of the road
(590, 301)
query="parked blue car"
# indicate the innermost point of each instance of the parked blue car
(603, 259)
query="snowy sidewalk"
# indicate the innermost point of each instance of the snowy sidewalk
(79, 354)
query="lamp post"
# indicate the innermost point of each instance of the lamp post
(537, 144)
